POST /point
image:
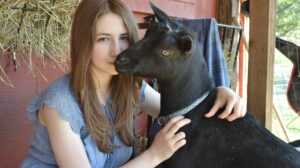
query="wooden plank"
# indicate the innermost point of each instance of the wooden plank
(15, 128)
(261, 59)
(224, 11)
(281, 123)
(177, 8)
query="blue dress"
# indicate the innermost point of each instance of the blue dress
(60, 96)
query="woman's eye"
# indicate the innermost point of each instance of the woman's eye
(103, 39)
(125, 38)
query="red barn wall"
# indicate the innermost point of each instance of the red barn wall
(15, 129)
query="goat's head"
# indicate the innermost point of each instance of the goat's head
(166, 45)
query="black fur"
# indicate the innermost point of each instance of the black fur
(295, 143)
(169, 53)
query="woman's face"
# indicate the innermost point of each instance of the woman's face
(111, 38)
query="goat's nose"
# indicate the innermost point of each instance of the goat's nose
(123, 60)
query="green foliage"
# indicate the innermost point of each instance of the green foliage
(288, 19)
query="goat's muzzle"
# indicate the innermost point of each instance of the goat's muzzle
(122, 60)
(122, 64)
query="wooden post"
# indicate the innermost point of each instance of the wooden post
(261, 59)
(224, 11)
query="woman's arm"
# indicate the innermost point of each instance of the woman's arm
(69, 150)
(167, 141)
(66, 145)
(235, 106)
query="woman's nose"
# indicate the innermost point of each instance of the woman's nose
(115, 48)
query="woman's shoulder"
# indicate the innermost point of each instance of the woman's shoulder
(59, 96)
(59, 91)
(63, 83)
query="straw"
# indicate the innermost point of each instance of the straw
(39, 28)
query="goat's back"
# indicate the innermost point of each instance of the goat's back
(243, 143)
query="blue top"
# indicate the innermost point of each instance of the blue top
(60, 96)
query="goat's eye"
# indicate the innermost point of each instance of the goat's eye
(169, 53)
(165, 53)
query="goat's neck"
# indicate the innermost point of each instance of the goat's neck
(183, 90)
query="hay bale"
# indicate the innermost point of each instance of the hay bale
(37, 26)
(34, 26)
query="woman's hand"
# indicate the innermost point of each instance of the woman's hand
(167, 141)
(235, 106)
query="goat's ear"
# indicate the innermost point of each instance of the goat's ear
(186, 44)
(159, 14)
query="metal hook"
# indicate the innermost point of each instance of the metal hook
(15, 57)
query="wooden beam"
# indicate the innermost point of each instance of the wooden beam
(261, 59)
(224, 11)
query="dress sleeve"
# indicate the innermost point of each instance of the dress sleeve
(143, 91)
(60, 98)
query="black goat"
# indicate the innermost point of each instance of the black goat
(169, 53)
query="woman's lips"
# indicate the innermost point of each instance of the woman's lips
(111, 62)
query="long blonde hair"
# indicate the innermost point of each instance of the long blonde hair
(124, 89)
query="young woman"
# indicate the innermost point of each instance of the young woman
(85, 118)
